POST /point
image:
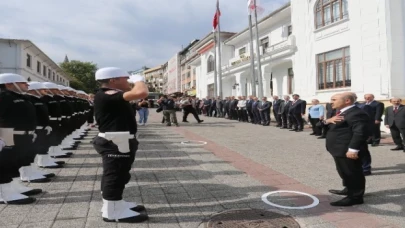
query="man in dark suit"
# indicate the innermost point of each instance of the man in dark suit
(330, 112)
(234, 108)
(227, 110)
(276, 107)
(377, 112)
(264, 109)
(346, 141)
(297, 110)
(395, 121)
(249, 105)
(283, 112)
(255, 110)
(219, 106)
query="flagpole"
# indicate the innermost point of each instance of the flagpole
(252, 57)
(219, 71)
(215, 65)
(259, 64)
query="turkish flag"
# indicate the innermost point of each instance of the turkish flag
(215, 21)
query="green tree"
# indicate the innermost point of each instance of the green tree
(82, 74)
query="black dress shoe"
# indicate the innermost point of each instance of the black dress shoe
(312, 134)
(28, 200)
(367, 173)
(42, 180)
(293, 129)
(60, 162)
(138, 208)
(339, 192)
(374, 144)
(135, 219)
(299, 130)
(322, 137)
(397, 148)
(347, 202)
(32, 192)
(49, 175)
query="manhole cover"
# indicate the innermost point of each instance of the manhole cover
(194, 143)
(250, 218)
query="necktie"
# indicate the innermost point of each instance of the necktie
(395, 109)
(338, 113)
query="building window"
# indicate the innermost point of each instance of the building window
(330, 11)
(49, 73)
(210, 64)
(289, 28)
(194, 83)
(28, 60)
(194, 71)
(53, 76)
(334, 69)
(44, 70)
(188, 74)
(242, 51)
(264, 44)
(38, 67)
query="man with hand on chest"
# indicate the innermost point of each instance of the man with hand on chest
(346, 141)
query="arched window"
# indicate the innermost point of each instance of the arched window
(330, 11)
(210, 64)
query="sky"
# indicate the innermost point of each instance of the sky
(121, 33)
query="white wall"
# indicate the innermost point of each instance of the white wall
(9, 57)
(366, 33)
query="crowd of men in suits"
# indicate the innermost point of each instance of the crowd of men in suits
(289, 114)
(39, 122)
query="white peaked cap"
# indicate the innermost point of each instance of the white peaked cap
(110, 72)
(11, 78)
(81, 92)
(61, 87)
(50, 85)
(36, 86)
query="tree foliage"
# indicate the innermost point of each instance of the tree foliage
(82, 74)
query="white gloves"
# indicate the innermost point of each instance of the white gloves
(2, 145)
(48, 129)
(34, 137)
(136, 78)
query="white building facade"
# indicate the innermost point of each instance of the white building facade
(24, 58)
(316, 48)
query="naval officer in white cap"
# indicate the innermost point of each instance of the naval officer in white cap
(116, 142)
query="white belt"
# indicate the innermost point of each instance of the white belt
(120, 139)
(64, 117)
(74, 114)
(39, 127)
(23, 132)
(53, 118)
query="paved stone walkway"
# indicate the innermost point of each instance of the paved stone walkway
(183, 185)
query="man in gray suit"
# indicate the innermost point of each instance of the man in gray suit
(395, 121)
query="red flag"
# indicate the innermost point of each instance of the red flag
(252, 4)
(215, 22)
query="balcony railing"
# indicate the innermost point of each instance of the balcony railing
(287, 44)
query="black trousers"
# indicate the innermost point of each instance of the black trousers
(315, 129)
(396, 135)
(351, 172)
(284, 119)
(41, 144)
(299, 122)
(376, 132)
(116, 167)
(251, 116)
(7, 168)
(242, 115)
(189, 109)
(256, 116)
(278, 119)
(265, 116)
(55, 138)
(21, 154)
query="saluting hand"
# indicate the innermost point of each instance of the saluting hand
(334, 119)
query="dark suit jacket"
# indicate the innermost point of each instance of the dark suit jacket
(276, 105)
(299, 107)
(265, 106)
(377, 110)
(330, 111)
(249, 105)
(392, 118)
(285, 107)
(255, 106)
(352, 133)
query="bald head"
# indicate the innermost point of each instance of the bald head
(351, 94)
(342, 100)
